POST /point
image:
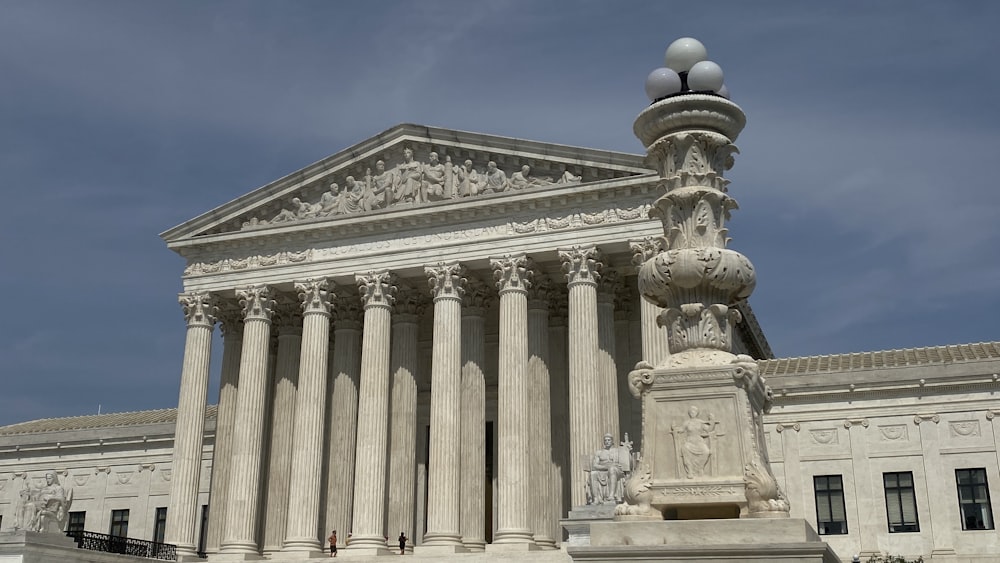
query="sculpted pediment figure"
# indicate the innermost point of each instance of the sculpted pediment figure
(609, 466)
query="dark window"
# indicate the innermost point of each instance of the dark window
(831, 517)
(974, 499)
(119, 523)
(75, 522)
(900, 502)
(160, 525)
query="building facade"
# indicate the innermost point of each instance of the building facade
(429, 333)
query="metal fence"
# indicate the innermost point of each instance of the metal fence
(125, 546)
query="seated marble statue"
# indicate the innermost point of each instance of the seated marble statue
(608, 468)
(44, 509)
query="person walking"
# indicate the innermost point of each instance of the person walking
(402, 543)
(333, 543)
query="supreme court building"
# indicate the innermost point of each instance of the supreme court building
(429, 332)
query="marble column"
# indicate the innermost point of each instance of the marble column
(473, 464)
(655, 348)
(865, 491)
(444, 466)
(288, 319)
(239, 532)
(539, 392)
(182, 512)
(513, 467)
(225, 422)
(582, 273)
(378, 291)
(307, 442)
(607, 286)
(629, 408)
(941, 521)
(409, 307)
(344, 374)
(559, 400)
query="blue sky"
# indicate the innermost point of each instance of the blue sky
(868, 199)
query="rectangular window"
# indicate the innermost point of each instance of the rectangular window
(160, 524)
(901, 502)
(75, 522)
(119, 523)
(974, 499)
(831, 517)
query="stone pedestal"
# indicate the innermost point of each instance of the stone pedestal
(705, 541)
(577, 524)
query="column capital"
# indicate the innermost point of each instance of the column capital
(645, 248)
(608, 285)
(199, 308)
(378, 289)
(287, 315)
(347, 312)
(540, 292)
(256, 302)
(476, 298)
(447, 281)
(512, 272)
(315, 295)
(230, 319)
(410, 304)
(928, 417)
(581, 264)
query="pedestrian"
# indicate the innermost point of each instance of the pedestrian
(333, 543)
(402, 543)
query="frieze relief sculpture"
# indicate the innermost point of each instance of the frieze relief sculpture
(409, 182)
(45, 508)
(610, 467)
(696, 441)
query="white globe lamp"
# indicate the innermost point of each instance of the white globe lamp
(661, 83)
(705, 76)
(684, 53)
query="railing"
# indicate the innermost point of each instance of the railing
(125, 546)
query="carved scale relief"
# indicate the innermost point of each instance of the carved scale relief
(825, 436)
(514, 226)
(893, 433)
(964, 428)
(411, 182)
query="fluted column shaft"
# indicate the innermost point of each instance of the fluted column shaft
(279, 454)
(444, 465)
(182, 511)
(584, 371)
(368, 521)
(559, 401)
(473, 464)
(540, 445)
(655, 348)
(310, 400)
(514, 469)
(403, 418)
(344, 372)
(239, 536)
(606, 353)
(232, 347)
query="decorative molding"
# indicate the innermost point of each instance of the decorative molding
(199, 308)
(827, 436)
(256, 302)
(512, 272)
(102, 469)
(447, 281)
(882, 359)
(992, 413)
(917, 419)
(781, 426)
(581, 264)
(146, 467)
(315, 296)
(964, 428)
(377, 289)
(894, 433)
(856, 422)
(702, 491)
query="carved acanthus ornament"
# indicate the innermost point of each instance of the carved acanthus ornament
(200, 308)
(608, 285)
(347, 312)
(477, 297)
(512, 273)
(377, 289)
(230, 319)
(540, 293)
(315, 296)
(410, 303)
(447, 281)
(582, 264)
(256, 302)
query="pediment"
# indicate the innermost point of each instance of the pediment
(408, 166)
